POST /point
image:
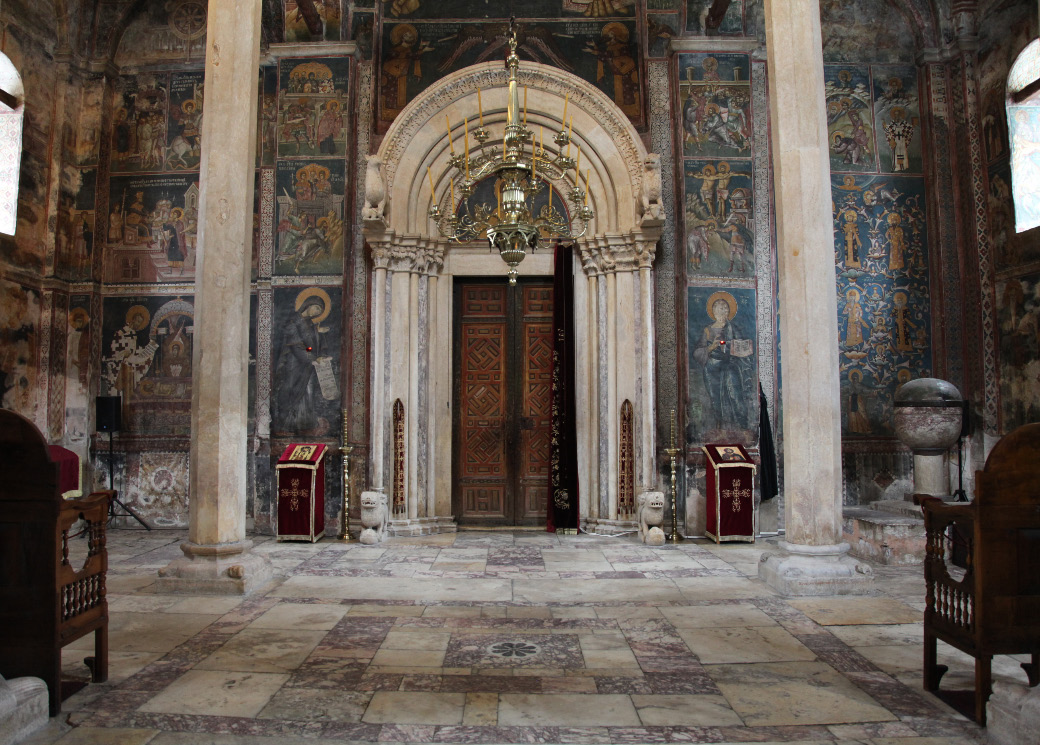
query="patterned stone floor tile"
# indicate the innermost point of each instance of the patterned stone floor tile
(513, 650)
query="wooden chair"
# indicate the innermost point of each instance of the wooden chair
(992, 605)
(45, 600)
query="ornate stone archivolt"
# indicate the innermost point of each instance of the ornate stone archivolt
(611, 146)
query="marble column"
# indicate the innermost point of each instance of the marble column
(813, 559)
(217, 554)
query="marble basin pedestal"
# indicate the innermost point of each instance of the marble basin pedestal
(928, 420)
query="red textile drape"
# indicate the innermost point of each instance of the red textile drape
(562, 507)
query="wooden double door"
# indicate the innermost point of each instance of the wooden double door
(502, 401)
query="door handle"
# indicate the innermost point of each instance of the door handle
(526, 422)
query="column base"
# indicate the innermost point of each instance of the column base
(216, 569)
(815, 570)
(421, 526)
(24, 707)
(614, 527)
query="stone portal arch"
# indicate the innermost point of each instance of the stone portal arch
(413, 270)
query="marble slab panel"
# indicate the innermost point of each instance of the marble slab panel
(749, 644)
(217, 693)
(395, 588)
(263, 651)
(716, 616)
(595, 591)
(302, 616)
(401, 707)
(794, 693)
(853, 611)
(701, 711)
(313, 704)
(566, 709)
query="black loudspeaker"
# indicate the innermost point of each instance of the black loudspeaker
(109, 413)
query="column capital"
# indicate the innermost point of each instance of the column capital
(414, 254)
(608, 254)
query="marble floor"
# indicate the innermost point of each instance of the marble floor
(507, 637)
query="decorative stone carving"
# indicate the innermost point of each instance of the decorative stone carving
(375, 190)
(374, 517)
(650, 511)
(653, 207)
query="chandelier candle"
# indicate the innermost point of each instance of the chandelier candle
(511, 227)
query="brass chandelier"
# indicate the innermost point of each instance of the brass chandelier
(519, 166)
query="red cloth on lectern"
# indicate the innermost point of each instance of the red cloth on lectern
(301, 492)
(731, 493)
(68, 470)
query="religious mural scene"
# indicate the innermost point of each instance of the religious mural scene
(313, 100)
(306, 362)
(697, 17)
(606, 53)
(77, 386)
(1018, 302)
(152, 228)
(722, 362)
(884, 315)
(715, 95)
(719, 218)
(312, 20)
(310, 217)
(74, 249)
(146, 358)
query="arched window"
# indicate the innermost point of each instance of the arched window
(12, 107)
(1023, 107)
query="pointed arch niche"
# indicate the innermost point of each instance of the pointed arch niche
(413, 271)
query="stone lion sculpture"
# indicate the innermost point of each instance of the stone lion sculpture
(374, 517)
(653, 208)
(650, 511)
(375, 190)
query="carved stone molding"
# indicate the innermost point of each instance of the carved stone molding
(619, 253)
(408, 254)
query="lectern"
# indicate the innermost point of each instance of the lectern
(300, 475)
(731, 494)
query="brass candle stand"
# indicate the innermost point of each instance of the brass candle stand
(673, 453)
(344, 535)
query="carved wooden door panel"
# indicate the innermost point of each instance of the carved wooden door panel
(535, 404)
(503, 365)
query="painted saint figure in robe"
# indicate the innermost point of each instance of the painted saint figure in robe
(295, 371)
(726, 356)
(405, 61)
(617, 58)
(856, 325)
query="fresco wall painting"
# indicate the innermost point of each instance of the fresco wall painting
(78, 342)
(305, 400)
(723, 390)
(313, 101)
(152, 228)
(1018, 308)
(416, 54)
(715, 128)
(146, 357)
(880, 235)
(697, 17)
